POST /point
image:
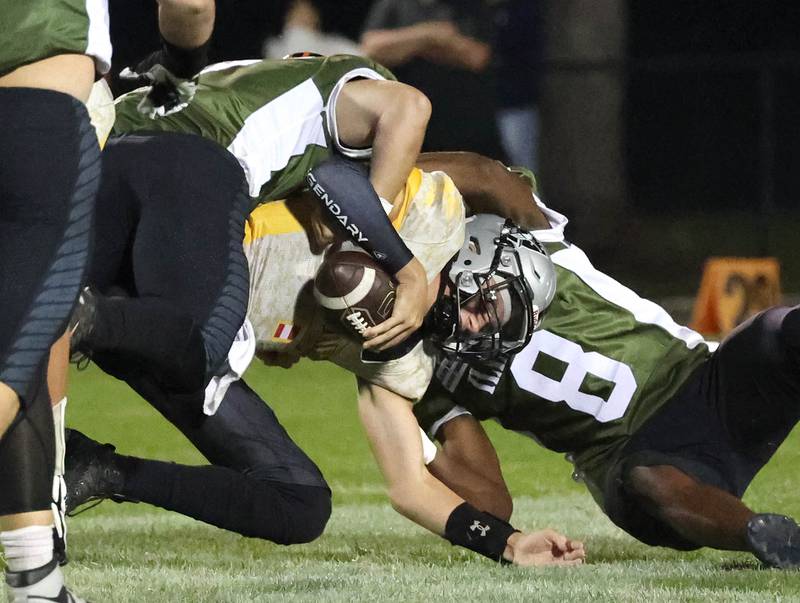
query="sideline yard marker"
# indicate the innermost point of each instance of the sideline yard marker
(732, 290)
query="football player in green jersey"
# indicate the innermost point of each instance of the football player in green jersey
(251, 453)
(665, 430)
(283, 119)
(50, 53)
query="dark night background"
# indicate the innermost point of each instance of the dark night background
(709, 138)
(697, 132)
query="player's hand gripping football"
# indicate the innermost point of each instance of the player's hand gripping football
(545, 547)
(410, 308)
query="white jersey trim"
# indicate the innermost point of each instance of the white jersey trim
(330, 111)
(554, 234)
(429, 449)
(454, 412)
(98, 38)
(643, 310)
(239, 357)
(229, 64)
(272, 135)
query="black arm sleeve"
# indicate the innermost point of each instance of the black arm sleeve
(354, 208)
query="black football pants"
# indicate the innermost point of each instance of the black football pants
(169, 239)
(170, 224)
(49, 174)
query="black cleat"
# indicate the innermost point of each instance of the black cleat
(775, 540)
(80, 326)
(94, 472)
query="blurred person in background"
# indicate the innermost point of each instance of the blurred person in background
(303, 32)
(518, 51)
(443, 48)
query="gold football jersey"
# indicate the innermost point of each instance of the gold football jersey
(284, 254)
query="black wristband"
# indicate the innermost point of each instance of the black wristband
(184, 62)
(478, 531)
(181, 62)
(355, 209)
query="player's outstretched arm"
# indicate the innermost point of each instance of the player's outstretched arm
(394, 437)
(488, 186)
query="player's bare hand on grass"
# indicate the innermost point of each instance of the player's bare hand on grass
(545, 547)
(410, 307)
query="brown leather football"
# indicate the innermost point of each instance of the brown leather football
(355, 291)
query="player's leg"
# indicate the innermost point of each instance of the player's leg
(188, 276)
(261, 484)
(709, 516)
(698, 513)
(44, 240)
(690, 464)
(757, 380)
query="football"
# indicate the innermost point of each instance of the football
(355, 292)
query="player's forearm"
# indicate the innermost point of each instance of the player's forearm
(392, 47)
(394, 437)
(461, 51)
(468, 483)
(488, 186)
(425, 501)
(186, 23)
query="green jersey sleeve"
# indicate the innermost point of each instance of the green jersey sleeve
(276, 116)
(33, 30)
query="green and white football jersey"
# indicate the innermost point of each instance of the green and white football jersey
(276, 117)
(33, 30)
(603, 361)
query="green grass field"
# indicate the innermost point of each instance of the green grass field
(369, 553)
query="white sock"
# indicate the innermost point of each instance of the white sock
(27, 548)
(48, 587)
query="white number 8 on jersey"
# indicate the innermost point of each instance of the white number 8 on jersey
(579, 363)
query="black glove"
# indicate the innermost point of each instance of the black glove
(171, 74)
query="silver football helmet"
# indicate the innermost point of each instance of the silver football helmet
(497, 287)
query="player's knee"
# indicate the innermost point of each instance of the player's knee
(304, 513)
(27, 454)
(316, 513)
(665, 490)
(789, 332)
(772, 333)
(653, 485)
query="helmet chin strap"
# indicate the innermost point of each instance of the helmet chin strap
(537, 316)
